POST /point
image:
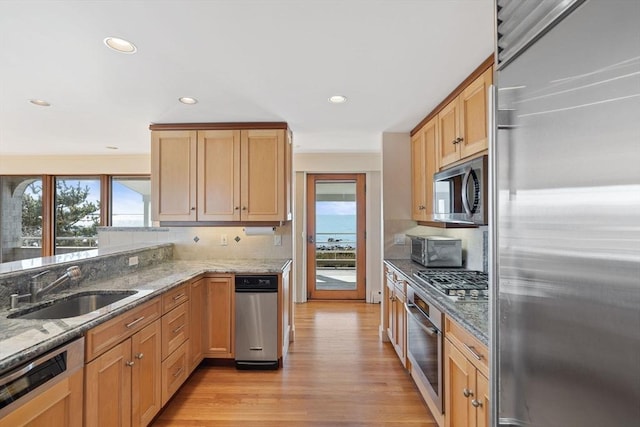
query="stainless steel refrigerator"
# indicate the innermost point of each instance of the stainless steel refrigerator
(565, 234)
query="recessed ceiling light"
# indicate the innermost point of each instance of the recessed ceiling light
(111, 147)
(39, 102)
(188, 100)
(120, 45)
(338, 99)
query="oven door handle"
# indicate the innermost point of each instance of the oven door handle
(411, 309)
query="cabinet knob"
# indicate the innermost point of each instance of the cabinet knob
(467, 392)
(130, 363)
(476, 403)
(455, 141)
(236, 208)
(139, 355)
(193, 208)
(244, 208)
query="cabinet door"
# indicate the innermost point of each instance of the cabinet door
(173, 175)
(418, 178)
(145, 379)
(263, 175)
(220, 317)
(401, 326)
(391, 314)
(459, 379)
(174, 372)
(482, 401)
(219, 175)
(448, 133)
(59, 406)
(108, 388)
(473, 125)
(196, 320)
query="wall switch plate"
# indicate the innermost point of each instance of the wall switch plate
(223, 240)
(398, 239)
(133, 261)
(277, 240)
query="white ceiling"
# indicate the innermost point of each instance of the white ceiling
(270, 60)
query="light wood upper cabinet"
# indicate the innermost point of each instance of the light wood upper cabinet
(173, 175)
(463, 122)
(263, 188)
(221, 175)
(423, 166)
(219, 180)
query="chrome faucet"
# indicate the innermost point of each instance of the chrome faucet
(36, 291)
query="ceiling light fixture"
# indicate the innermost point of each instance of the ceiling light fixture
(120, 45)
(337, 99)
(40, 103)
(187, 100)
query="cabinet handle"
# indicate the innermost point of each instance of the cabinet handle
(139, 355)
(139, 319)
(177, 297)
(455, 141)
(244, 208)
(130, 363)
(193, 208)
(178, 372)
(236, 208)
(476, 403)
(473, 351)
(460, 139)
(467, 392)
(178, 329)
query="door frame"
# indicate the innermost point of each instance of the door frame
(361, 268)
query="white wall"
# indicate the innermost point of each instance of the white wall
(365, 162)
(137, 164)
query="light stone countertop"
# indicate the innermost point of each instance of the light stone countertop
(22, 339)
(473, 316)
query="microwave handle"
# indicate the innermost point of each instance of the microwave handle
(465, 184)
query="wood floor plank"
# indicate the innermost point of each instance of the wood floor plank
(337, 373)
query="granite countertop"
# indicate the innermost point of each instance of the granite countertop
(22, 339)
(473, 316)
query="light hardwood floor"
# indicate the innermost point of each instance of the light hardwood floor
(337, 373)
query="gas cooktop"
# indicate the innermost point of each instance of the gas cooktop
(459, 285)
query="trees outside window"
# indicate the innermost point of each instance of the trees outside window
(77, 213)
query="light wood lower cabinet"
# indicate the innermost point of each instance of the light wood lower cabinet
(395, 294)
(58, 406)
(465, 379)
(122, 385)
(219, 325)
(196, 322)
(174, 371)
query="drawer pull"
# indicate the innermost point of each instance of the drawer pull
(129, 363)
(178, 372)
(177, 297)
(467, 392)
(138, 320)
(178, 329)
(139, 355)
(473, 351)
(476, 403)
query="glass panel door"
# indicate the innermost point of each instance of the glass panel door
(335, 236)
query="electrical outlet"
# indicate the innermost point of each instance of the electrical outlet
(398, 239)
(277, 240)
(223, 240)
(133, 261)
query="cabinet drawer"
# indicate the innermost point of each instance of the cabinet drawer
(470, 346)
(175, 329)
(174, 372)
(175, 297)
(104, 336)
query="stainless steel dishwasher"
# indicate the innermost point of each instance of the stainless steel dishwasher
(256, 322)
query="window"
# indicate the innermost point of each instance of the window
(131, 201)
(20, 217)
(47, 215)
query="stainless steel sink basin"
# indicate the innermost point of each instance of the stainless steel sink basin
(75, 305)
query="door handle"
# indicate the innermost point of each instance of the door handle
(310, 239)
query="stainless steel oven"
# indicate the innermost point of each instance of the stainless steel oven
(424, 344)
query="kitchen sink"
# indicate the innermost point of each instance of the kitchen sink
(75, 305)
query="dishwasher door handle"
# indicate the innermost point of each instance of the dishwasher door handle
(255, 348)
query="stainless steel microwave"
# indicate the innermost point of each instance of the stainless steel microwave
(460, 193)
(436, 251)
